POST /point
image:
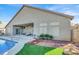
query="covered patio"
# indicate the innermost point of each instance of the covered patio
(23, 29)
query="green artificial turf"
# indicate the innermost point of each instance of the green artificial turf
(57, 51)
(30, 49)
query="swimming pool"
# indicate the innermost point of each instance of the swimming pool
(5, 45)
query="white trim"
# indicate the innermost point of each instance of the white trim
(54, 23)
(43, 24)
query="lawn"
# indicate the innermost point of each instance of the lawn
(30, 49)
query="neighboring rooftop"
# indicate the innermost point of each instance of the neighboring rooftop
(2, 26)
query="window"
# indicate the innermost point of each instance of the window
(54, 31)
(43, 28)
(54, 28)
(54, 23)
(17, 31)
(43, 24)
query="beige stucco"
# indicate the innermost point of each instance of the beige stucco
(30, 15)
(75, 33)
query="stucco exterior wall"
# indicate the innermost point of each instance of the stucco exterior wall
(75, 33)
(29, 15)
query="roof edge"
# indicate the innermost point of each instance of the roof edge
(15, 15)
(58, 13)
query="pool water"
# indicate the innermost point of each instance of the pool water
(6, 45)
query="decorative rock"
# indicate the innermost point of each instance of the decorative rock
(71, 49)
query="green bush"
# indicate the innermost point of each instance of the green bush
(51, 37)
(45, 37)
(42, 36)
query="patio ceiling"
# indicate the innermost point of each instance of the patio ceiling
(24, 25)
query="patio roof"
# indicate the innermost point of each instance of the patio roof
(24, 25)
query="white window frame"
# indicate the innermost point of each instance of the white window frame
(56, 31)
(43, 28)
(54, 23)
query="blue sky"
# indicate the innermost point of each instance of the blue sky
(7, 11)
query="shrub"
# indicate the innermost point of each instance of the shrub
(45, 37)
(51, 37)
(41, 36)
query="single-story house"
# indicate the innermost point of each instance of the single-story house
(32, 20)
